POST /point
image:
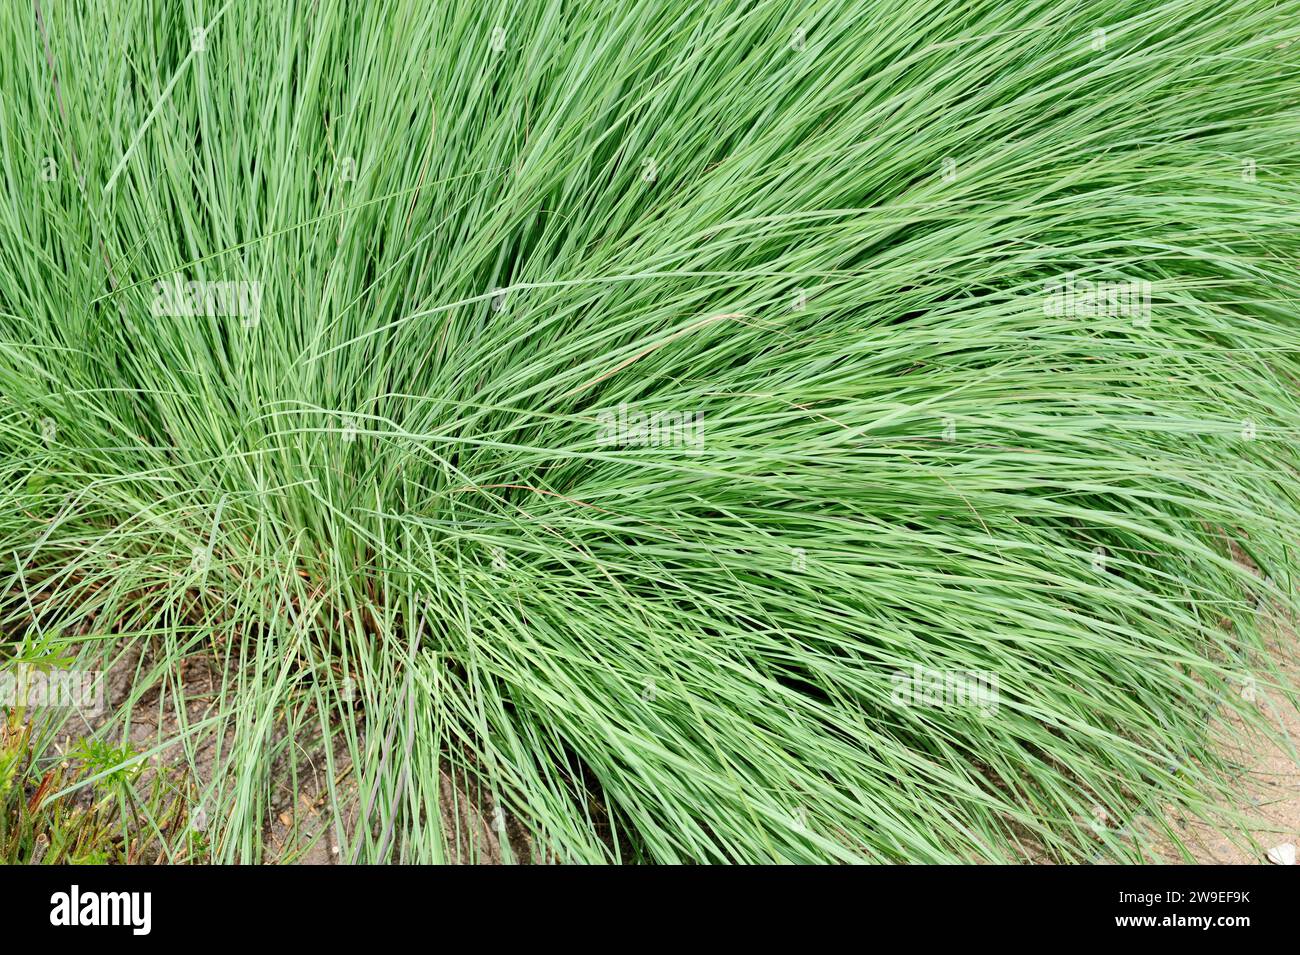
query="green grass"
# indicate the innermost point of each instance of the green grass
(122, 819)
(387, 514)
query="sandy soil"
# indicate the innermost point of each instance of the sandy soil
(1270, 784)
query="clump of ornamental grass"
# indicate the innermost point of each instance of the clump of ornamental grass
(663, 431)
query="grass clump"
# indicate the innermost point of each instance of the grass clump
(659, 431)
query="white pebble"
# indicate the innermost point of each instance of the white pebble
(1282, 855)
